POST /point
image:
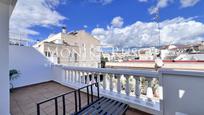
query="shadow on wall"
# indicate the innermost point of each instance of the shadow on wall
(183, 94)
(34, 67)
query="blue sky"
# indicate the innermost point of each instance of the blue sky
(95, 15)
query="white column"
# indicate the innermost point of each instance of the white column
(127, 85)
(111, 81)
(104, 81)
(4, 56)
(137, 86)
(119, 84)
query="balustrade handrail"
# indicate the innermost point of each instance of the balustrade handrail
(145, 73)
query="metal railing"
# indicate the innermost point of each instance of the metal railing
(89, 92)
(20, 39)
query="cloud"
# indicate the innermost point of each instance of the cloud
(117, 22)
(31, 13)
(177, 30)
(85, 26)
(103, 2)
(160, 4)
(143, 0)
(164, 3)
(188, 3)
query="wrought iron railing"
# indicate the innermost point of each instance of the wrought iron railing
(77, 98)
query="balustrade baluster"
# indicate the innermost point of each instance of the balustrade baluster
(72, 74)
(69, 75)
(92, 78)
(127, 85)
(98, 77)
(149, 90)
(137, 86)
(75, 76)
(111, 82)
(79, 76)
(104, 81)
(65, 76)
(83, 78)
(88, 78)
(119, 84)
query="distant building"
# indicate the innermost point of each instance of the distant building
(147, 53)
(71, 48)
(170, 52)
(199, 47)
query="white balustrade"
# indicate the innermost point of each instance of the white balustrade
(124, 87)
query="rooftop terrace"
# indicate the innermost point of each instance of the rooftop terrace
(133, 87)
(24, 100)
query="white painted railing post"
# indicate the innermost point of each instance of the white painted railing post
(98, 77)
(149, 90)
(83, 78)
(119, 84)
(75, 76)
(88, 78)
(137, 86)
(92, 77)
(104, 81)
(63, 75)
(127, 85)
(79, 76)
(72, 74)
(111, 82)
(68, 75)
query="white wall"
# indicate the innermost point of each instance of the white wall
(33, 66)
(183, 93)
(4, 79)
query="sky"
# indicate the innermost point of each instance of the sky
(121, 23)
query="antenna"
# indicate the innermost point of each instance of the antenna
(156, 18)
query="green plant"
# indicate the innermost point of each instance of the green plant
(13, 74)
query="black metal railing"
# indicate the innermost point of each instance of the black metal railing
(77, 101)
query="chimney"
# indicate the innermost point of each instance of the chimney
(64, 30)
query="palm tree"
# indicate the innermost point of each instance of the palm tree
(13, 74)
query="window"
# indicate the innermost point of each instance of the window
(58, 60)
(47, 54)
(75, 57)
